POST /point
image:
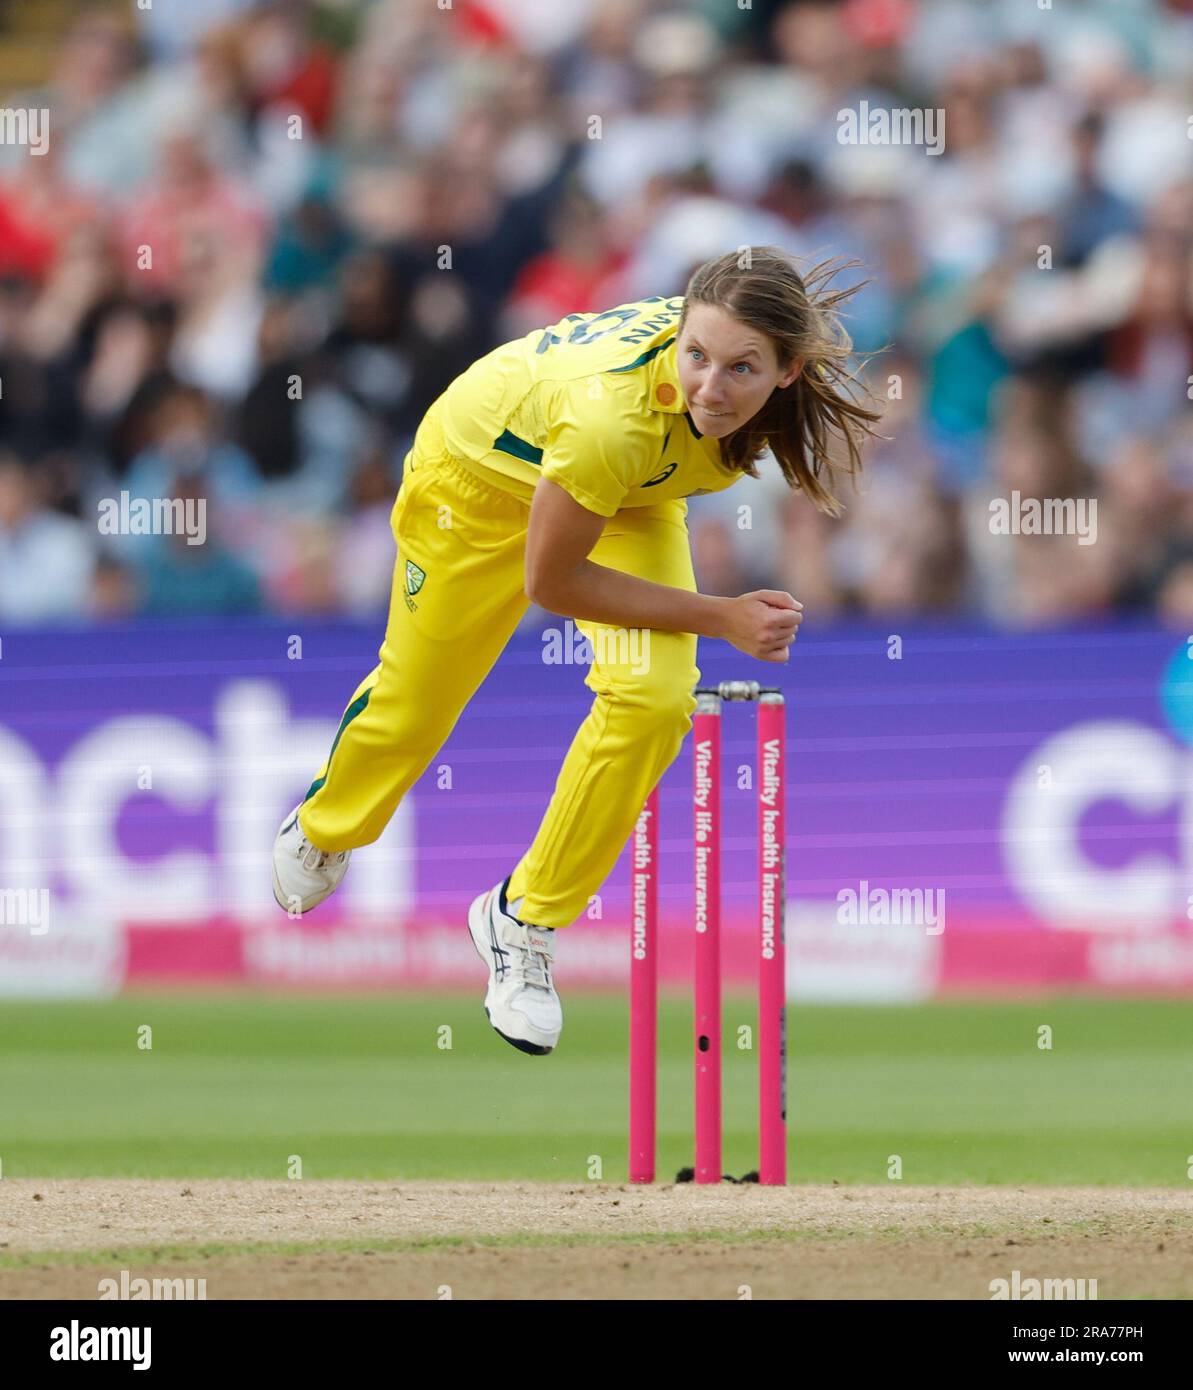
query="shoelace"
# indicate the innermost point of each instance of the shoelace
(320, 858)
(531, 967)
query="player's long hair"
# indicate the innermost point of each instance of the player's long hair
(816, 426)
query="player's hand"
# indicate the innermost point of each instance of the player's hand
(763, 623)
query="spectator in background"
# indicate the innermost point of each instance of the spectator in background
(1029, 579)
(1150, 354)
(364, 348)
(184, 440)
(89, 97)
(187, 455)
(114, 593)
(286, 66)
(1174, 586)
(44, 343)
(311, 244)
(199, 237)
(1092, 213)
(178, 579)
(364, 547)
(963, 373)
(188, 212)
(267, 420)
(40, 209)
(689, 224)
(125, 343)
(172, 32)
(668, 132)
(579, 273)
(46, 559)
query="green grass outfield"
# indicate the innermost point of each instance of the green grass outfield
(360, 1087)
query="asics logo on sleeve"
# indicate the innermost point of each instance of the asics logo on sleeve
(661, 477)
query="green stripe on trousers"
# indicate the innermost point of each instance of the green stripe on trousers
(349, 715)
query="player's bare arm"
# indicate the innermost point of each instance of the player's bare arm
(561, 578)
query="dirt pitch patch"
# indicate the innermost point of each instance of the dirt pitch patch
(308, 1239)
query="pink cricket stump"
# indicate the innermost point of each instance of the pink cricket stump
(772, 983)
(644, 992)
(706, 724)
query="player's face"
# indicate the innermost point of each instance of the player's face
(727, 369)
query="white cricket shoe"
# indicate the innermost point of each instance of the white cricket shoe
(520, 1003)
(303, 874)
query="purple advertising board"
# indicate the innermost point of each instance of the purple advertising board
(967, 810)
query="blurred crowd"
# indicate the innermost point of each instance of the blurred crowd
(264, 236)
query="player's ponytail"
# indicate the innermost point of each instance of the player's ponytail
(816, 426)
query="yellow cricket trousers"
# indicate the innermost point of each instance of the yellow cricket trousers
(457, 598)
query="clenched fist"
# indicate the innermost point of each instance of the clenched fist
(763, 623)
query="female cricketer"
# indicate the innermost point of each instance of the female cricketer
(555, 471)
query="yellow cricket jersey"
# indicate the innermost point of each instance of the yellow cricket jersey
(593, 403)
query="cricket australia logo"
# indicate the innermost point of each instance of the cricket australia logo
(414, 582)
